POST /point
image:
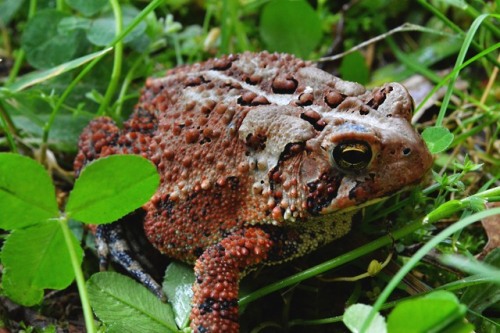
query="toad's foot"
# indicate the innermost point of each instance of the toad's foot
(111, 243)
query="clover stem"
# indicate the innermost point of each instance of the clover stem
(80, 280)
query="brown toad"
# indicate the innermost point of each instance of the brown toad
(262, 158)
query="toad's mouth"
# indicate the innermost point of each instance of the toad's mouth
(352, 197)
(334, 208)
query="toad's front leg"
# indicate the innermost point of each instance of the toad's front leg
(218, 271)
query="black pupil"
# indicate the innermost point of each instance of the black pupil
(354, 156)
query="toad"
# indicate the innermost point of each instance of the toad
(262, 158)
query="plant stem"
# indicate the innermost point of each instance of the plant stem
(80, 280)
(473, 12)
(456, 28)
(118, 57)
(226, 25)
(60, 101)
(328, 265)
(20, 54)
(442, 81)
(356, 253)
(9, 128)
(466, 282)
(419, 255)
(460, 59)
(60, 5)
(125, 84)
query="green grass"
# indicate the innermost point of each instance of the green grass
(65, 62)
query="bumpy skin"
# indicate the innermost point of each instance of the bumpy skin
(247, 147)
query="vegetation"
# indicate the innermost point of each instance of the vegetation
(65, 61)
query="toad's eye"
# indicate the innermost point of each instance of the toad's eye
(352, 156)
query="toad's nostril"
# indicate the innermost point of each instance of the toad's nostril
(406, 151)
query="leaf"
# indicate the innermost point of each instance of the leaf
(458, 63)
(290, 26)
(37, 258)
(7, 10)
(353, 68)
(30, 110)
(424, 56)
(124, 305)
(473, 266)
(87, 7)
(437, 138)
(355, 316)
(457, 3)
(442, 295)
(480, 297)
(444, 210)
(41, 76)
(69, 24)
(65, 130)
(44, 45)
(491, 226)
(112, 187)
(20, 291)
(177, 285)
(27, 195)
(102, 30)
(434, 312)
(460, 327)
